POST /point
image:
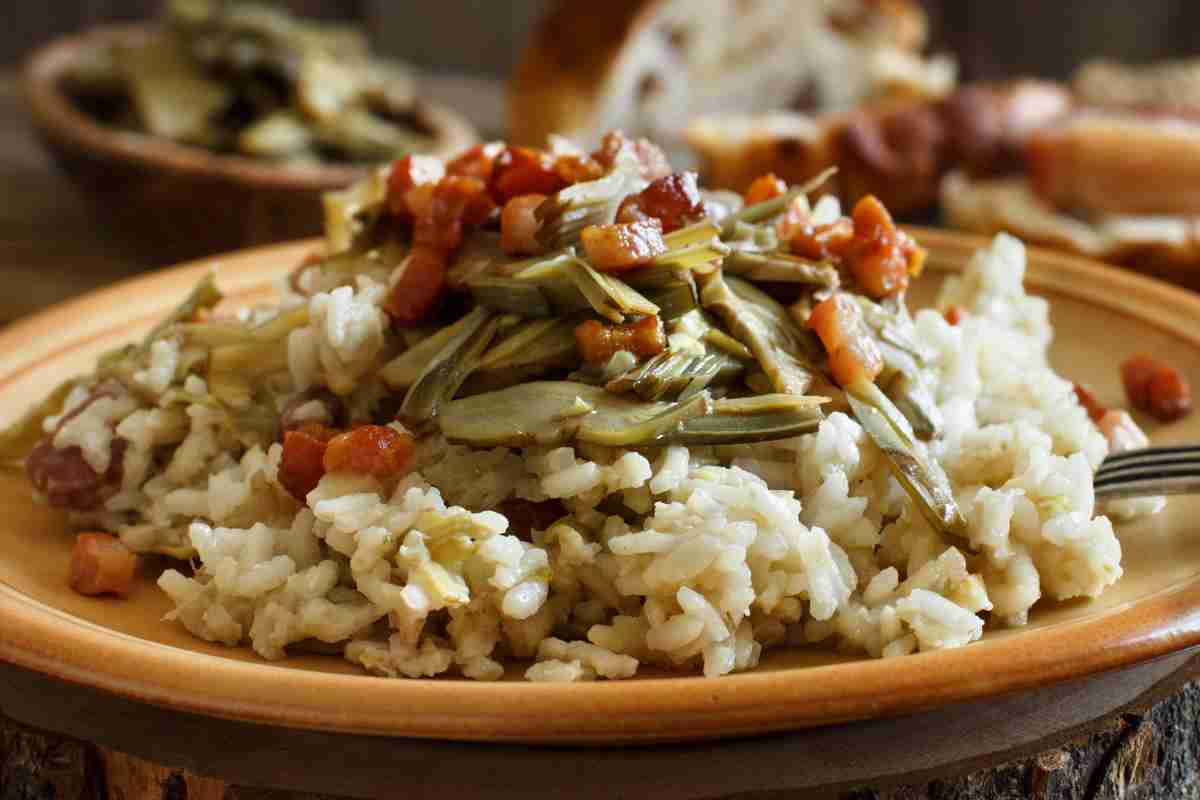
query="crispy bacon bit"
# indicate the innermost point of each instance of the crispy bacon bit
(456, 203)
(880, 261)
(370, 450)
(101, 564)
(419, 288)
(598, 342)
(880, 256)
(674, 200)
(1089, 402)
(765, 187)
(652, 161)
(523, 170)
(407, 174)
(954, 315)
(615, 248)
(576, 168)
(1121, 431)
(477, 162)
(818, 242)
(853, 355)
(1156, 388)
(519, 225)
(525, 516)
(301, 466)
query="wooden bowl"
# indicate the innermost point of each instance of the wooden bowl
(178, 201)
(1101, 316)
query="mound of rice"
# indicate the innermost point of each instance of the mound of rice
(694, 560)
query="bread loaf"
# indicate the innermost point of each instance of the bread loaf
(650, 66)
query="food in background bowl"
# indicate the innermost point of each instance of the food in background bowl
(570, 408)
(250, 79)
(174, 201)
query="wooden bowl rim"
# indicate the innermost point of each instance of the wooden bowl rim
(58, 117)
(40, 637)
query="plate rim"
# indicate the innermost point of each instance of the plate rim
(38, 636)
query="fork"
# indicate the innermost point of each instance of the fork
(1149, 471)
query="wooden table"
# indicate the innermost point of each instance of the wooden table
(1133, 733)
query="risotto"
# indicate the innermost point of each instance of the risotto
(567, 410)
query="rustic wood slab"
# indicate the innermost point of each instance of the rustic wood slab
(1126, 734)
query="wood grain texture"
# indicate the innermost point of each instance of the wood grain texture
(1146, 748)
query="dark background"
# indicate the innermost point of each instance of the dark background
(991, 37)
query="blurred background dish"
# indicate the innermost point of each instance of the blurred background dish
(915, 129)
(192, 157)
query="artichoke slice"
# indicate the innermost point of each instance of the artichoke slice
(533, 348)
(764, 326)
(675, 372)
(781, 268)
(441, 378)
(547, 413)
(351, 211)
(921, 476)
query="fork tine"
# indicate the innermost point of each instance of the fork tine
(1157, 470)
(1152, 453)
(1178, 484)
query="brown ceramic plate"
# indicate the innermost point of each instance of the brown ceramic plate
(1100, 315)
(186, 200)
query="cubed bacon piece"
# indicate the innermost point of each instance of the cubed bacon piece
(576, 168)
(417, 290)
(1156, 388)
(1089, 402)
(674, 200)
(765, 187)
(301, 465)
(597, 342)
(101, 564)
(615, 248)
(456, 204)
(828, 242)
(519, 225)
(477, 162)
(523, 170)
(1121, 431)
(407, 174)
(853, 355)
(880, 258)
(651, 160)
(377, 450)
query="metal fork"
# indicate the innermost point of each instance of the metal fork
(1150, 471)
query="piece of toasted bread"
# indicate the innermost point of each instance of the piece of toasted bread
(649, 66)
(1154, 243)
(1118, 162)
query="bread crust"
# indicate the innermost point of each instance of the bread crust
(1118, 163)
(556, 85)
(564, 77)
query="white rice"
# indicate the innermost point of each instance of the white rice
(699, 559)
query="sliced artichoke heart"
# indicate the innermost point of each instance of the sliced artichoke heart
(545, 412)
